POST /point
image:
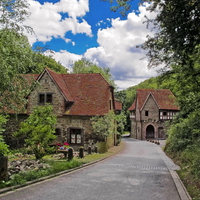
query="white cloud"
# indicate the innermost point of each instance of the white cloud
(118, 49)
(65, 58)
(47, 21)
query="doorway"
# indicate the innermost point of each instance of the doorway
(150, 131)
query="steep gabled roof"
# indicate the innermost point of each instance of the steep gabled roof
(58, 80)
(118, 105)
(90, 94)
(163, 97)
(133, 106)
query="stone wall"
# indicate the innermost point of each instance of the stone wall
(141, 122)
(81, 122)
(47, 85)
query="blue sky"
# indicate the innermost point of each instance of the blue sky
(76, 29)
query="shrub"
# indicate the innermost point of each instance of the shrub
(3, 146)
(38, 130)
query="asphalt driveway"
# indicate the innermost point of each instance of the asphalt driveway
(139, 172)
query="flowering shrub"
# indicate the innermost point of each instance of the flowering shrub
(64, 146)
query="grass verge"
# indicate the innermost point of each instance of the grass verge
(187, 176)
(56, 166)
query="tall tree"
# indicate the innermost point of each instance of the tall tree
(13, 14)
(15, 51)
(85, 66)
(15, 58)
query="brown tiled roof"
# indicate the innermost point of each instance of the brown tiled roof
(90, 94)
(132, 106)
(163, 97)
(118, 105)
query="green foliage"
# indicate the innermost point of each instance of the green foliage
(3, 147)
(15, 57)
(120, 5)
(102, 147)
(103, 126)
(184, 132)
(38, 130)
(13, 14)
(177, 36)
(85, 66)
(121, 122)
(40, 61)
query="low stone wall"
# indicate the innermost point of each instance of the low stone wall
(17, 166)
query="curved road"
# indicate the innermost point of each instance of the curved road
(139, 172)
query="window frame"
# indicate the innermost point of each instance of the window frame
(77, 131)
(43, 98)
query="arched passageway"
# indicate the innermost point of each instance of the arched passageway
(150, 131)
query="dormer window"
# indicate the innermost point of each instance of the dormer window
(45, 98)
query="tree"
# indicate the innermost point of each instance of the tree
(120, 5)
(15, 52)
(15, 58)
(38, 130)
(177, 38)
(13, 14)
(103, 126)
(85, 66)
(40, 61)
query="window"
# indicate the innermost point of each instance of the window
(75, 136)
(164, 113)
(110, 104)
(57, 131)
(45, 98)
(41, 98)
(146, 113)
(49, 98)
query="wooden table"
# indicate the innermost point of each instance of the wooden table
(64, 151)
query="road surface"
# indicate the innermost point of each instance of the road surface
(139, 172)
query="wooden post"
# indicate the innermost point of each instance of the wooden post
(81, 152)
(89, 150)
(70, 154)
